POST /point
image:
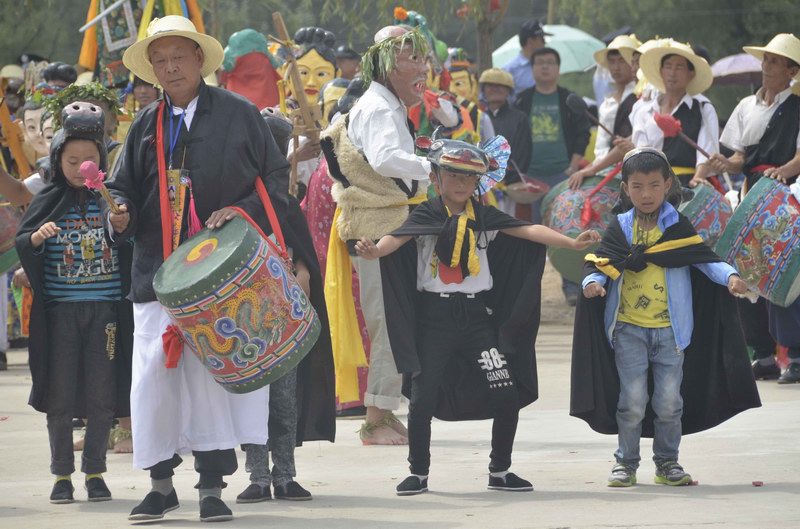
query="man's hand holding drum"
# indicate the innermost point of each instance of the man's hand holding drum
(220, 217)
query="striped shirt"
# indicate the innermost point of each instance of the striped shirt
(80, 265)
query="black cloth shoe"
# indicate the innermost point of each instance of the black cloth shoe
(213, 509)
(3, 359)
(351, 413)
(767, 372)
(791, 375)
(77, 424)
(62, 492)
(254, 493)
(97, 490)
(291, 491)
(154, 506)
(510, 482)
(412, 486)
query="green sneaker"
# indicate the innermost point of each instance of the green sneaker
(671, 473)
(622, 476)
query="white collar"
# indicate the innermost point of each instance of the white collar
(656, 102)
(779, 98)
(386, 94)
(190, 108)
(629, 88)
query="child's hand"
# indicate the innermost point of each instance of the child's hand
(586, 239)
(119, 221)
(45, 232)
(592, 290)
(736, 286)
(367, 249)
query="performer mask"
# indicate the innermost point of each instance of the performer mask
(32, 121)
(407, 79)
(314, 71)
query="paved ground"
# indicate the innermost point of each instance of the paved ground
(354, 485)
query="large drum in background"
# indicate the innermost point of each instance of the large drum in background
(237, 306)
(707, 210)
(561, 211)
(762, 241)
(9, 222)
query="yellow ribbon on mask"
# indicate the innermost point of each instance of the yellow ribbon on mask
(348, 350)
(473, 262)
(604, 264)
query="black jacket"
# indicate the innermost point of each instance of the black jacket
(576, 126)
(514, 125)
(228, 147)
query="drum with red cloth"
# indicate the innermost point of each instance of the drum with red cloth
(707, 210)
(762, 241)
(572, 212)
(237, 304)
(9, 222)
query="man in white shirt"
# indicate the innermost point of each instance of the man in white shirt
(764, 132)
(371, 157)
(681, 76)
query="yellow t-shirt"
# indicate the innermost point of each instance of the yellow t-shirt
(643, 299)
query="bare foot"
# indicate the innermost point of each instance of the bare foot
(123, 446)
(381, 435)
(397, 426)
(77, 446)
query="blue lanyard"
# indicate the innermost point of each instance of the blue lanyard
(173, 135)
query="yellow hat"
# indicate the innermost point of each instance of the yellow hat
(497, 76)
(84, 78)
(626, 45)
(12, 71)
(650, 64)
(783, 44)
(137, 59)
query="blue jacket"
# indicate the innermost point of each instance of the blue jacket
(679, 283)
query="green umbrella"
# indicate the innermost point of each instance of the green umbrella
(576, 48)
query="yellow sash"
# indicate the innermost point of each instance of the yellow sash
(604, 264)
(348, 351)
(683, 171)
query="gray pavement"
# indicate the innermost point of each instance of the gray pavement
(353, 486)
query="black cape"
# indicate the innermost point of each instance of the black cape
(515, 300)
(717, 378)
(50, 204)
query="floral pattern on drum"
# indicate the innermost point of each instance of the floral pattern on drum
(709, 213)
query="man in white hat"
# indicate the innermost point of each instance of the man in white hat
(680, 76)
(218, 141)
(764, 133)
(615, 110)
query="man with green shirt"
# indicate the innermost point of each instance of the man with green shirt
(559, 135)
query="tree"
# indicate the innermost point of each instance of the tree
(487, 15)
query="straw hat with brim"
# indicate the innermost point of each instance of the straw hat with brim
(497, 76)
(12, 71)
(137, 58)
(626, 45)
(650, 63)
(783, 44)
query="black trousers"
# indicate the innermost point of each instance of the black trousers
(81, 369)
(459, 327)
(212, 465)
(755, 323)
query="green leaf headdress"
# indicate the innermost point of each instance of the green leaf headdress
(381, 57)
(87, 92)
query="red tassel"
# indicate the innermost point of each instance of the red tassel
(172, 340)
(586, 213)
(194, 221)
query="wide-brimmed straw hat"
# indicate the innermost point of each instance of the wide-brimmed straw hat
(650, 64)
(783, 44)
(497, 76)
(137, 58)
(626, 45)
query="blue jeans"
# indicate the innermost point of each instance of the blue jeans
(636, 349)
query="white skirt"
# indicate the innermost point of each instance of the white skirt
(183, 409)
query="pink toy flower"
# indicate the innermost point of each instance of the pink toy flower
(94, 177)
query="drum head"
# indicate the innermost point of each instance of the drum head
(202, 263)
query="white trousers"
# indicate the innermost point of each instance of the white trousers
(183, 409)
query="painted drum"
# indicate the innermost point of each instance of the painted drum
(707, 210)
(238, 305)
(762, 241)
(561, 211)
(9, 222)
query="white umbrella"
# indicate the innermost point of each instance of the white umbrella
(741, 69)
(575, 47)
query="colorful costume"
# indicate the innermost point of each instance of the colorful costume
(249, 69)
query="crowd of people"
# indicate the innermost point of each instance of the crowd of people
(408, 193)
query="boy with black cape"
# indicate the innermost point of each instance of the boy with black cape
(667, 332)
(462, 301)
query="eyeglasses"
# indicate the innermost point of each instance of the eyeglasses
(552, 62)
